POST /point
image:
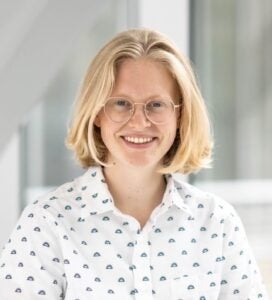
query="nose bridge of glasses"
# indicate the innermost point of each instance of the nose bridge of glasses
(142, 111)
(142, 108)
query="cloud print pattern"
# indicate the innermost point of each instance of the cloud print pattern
(73, 243)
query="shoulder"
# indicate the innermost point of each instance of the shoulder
(204, 204)
(67, 199)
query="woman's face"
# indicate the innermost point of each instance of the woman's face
(138, 142)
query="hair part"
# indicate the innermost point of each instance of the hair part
(193, 144)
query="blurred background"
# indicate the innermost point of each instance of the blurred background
(45, 47)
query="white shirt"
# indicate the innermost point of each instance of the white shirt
(73, 243)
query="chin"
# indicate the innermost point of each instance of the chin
(142, 163)
(134, 161)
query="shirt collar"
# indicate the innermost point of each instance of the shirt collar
(176, 193)
(97, 198)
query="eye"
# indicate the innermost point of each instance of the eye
(120, 104)
(156, 105)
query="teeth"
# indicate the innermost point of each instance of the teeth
(137, 140)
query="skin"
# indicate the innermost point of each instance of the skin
(143, 190)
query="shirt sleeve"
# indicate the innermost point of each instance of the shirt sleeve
(31, 261)
(241, 278)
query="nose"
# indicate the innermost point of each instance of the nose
(138, 119)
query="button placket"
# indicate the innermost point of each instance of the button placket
(142, 274)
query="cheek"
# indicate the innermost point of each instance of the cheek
(172, 139)
(172, 131)
(105, 135)
(108, 131)
(172, 136)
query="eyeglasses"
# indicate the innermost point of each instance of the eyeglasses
(157, 111)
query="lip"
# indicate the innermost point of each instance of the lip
(138, 135)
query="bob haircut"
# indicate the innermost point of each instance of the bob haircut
(192, 147)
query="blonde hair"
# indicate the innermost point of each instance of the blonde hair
(193, 144)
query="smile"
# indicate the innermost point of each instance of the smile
(138, 140)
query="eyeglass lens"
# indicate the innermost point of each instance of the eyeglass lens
(121, 110)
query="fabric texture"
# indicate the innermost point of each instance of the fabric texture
(73, 243)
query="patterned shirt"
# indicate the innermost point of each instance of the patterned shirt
(74, 243)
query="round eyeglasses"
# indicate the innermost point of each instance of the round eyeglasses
(157, 111)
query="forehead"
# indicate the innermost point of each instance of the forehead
(143, 78)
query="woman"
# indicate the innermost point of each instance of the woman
(129, 228)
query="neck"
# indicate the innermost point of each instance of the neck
(135, 191)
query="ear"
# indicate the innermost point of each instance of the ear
(97, 121)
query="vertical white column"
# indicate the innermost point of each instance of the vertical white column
(9, 188)
(170, 17)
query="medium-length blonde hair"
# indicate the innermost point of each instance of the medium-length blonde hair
(193, 144)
